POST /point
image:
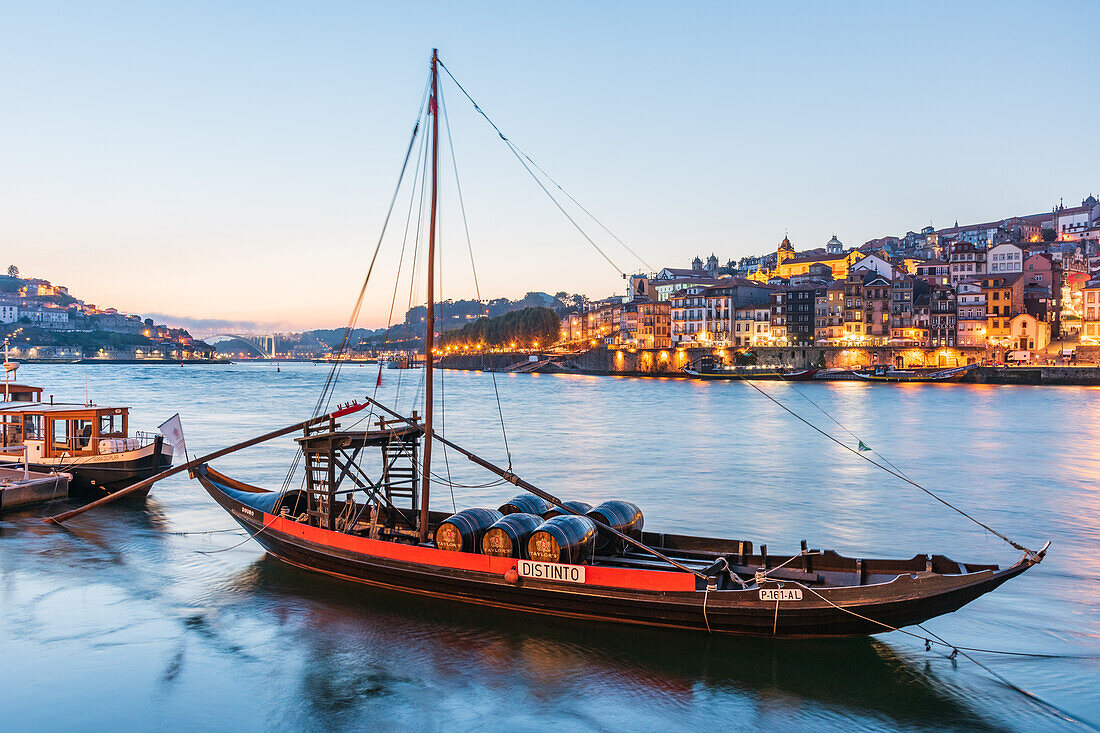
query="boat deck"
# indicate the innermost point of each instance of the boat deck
(19, 489)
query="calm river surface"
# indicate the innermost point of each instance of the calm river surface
(133, 619)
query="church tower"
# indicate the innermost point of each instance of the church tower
(785, 251)
(712, 265)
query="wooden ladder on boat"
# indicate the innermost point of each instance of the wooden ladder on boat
(401, 469)
(320, 478)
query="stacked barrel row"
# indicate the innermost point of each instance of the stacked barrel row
(530, 528)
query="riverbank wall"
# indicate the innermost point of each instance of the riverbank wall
(668, 363)
(60, 360)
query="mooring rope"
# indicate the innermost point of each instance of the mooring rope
(956, 650)
(250, 537)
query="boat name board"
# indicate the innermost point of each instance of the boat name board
(780, 594)
(551, 571)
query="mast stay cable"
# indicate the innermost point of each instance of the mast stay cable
(330, 383)
(524, 160)
(888, 470)
(400, 264)
(329, 386)
(473, 267)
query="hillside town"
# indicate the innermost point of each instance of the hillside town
(1012, 286)
(41, 320)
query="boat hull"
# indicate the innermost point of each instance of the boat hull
(910, 378)
(749, 375)
(107, 473)
(19, 489)
(941, 375)
(622, 595)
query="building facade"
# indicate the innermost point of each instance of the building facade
(1005, 258)
(971, 316)
(942, 316)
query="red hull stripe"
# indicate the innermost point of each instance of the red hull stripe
(627, 578)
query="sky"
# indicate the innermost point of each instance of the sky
(231, 163)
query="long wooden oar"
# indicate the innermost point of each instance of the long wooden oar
(65, 516)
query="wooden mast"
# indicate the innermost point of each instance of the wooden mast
(429, 320)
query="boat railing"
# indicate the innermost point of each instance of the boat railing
(21, 450)
(145, 437)
(106, 444)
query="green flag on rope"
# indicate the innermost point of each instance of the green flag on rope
(862, 446)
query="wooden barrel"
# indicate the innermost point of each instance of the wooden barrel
(525, 504)
(577, 506)
(566, 538)
(508, 536)
(462, 532)
(623, 516)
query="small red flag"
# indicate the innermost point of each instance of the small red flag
(379, 382)
(431, 105)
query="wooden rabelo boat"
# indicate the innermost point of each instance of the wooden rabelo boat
(707, 367)
(886, 374)
(369, 521)
(359, 533)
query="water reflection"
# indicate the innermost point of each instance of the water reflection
(125, 612)
(361, 643)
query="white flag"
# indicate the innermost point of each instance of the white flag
(172, 430)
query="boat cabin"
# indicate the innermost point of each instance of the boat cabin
(20, 393)
(64, 430)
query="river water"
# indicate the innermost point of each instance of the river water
(160, 614)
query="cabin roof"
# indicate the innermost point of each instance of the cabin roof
(46, 407)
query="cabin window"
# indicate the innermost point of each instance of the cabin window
(12, 434)
(32, 427)
(60, 431)
(110, 424)
(82, 431)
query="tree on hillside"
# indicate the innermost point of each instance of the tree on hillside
(13, 271)
(524, 328)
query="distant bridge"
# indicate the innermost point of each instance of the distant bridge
(263, 345)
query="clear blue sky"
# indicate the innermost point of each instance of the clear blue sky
(234, 159)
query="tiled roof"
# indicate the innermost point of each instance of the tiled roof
(1008, 277)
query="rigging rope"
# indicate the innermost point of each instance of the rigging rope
(439, 110)
(330, 383)
(890, 471)
(521, 156)
(413, 269)
(329, 386)
(824, 412)
(473, 270)
(400, 263)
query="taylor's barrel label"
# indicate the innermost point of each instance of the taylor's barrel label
(551, 571)
(781, 594)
